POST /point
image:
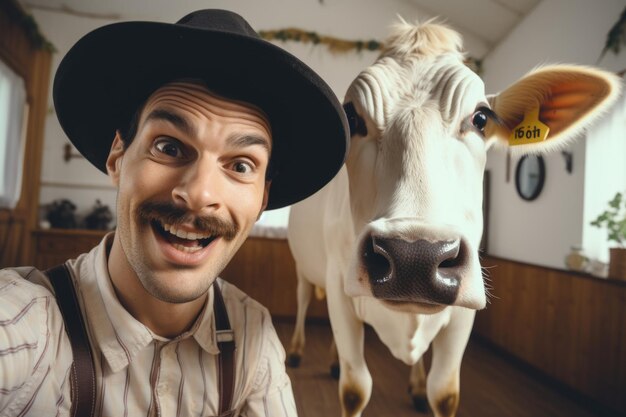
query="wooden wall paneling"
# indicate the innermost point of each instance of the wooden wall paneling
(12, 228)
(598, 353)
(569, 326)
(549, 345)
(265, 270)
(545, 321)
(18, 51)
(525, 314)
(490, 321)
(55, 246)
(29, 199)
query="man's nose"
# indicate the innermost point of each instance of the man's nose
(199, 186)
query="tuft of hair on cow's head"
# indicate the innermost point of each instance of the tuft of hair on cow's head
(422, 40)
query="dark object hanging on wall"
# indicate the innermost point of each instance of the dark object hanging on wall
(616, 36)
(569, 161)
(99, 218)
(530, 176)
(60, 214)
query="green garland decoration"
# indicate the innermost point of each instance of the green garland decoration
(28, 23)
(32, 31)
(335, 45)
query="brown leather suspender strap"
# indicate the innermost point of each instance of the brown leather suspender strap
(226, 357)
(83, 377)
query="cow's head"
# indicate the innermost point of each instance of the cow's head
(421, 126)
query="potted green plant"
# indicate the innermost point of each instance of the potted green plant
(613, 219)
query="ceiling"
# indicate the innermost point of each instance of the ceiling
(487, 21)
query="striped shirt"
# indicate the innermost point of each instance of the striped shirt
(138, 372)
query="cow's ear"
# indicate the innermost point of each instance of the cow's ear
(569, 99)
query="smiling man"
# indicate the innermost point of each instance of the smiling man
(201, 126)
(191, 185)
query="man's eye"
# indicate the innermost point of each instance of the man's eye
(168, 147)
(242, 167)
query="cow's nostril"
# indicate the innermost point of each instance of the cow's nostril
(449, 263)
(377, 262)
(451, 254)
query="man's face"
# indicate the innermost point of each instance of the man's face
(190, 187)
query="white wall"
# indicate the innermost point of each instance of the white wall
(541, 232)
(348, 19)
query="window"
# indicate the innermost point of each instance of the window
(272, 224)
(13, 115)
(605, 174)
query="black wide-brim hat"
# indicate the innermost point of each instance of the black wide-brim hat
(109, 73)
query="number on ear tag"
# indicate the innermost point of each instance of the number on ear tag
(530, 130)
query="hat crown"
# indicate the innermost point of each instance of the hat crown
(94, 96)
(218, 20)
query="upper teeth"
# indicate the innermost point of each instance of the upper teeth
(183, 234)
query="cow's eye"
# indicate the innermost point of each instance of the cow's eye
(481, 116)
(356, 122)
(479, 120)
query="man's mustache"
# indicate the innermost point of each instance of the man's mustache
(173, 215)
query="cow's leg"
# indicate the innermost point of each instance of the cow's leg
(448, 347)
(355, 381)
(417, 386)
(296, 349)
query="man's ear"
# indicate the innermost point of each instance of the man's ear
(266, 195)
(114, 160)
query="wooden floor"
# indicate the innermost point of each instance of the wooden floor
(490, 384)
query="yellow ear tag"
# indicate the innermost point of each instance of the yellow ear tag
(531, 130)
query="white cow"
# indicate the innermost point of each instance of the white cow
(394, 237)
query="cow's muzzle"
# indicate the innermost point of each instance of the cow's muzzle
(419, 271)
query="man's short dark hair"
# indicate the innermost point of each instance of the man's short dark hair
(128, 131)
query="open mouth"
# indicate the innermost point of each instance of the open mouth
(182, 240)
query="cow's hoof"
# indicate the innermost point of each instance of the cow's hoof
(334, 371)
(420, 403)
(293, 360)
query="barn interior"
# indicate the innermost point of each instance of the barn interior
(552, 339)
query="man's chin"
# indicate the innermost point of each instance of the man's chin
(178, 290)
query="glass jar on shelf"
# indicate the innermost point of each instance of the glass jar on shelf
(576, 259)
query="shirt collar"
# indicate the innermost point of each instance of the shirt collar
(204, 328)
(118, 334)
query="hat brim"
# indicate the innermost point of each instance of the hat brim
(111, 71)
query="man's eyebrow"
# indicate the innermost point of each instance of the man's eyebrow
(177, 120)
(242, 141)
